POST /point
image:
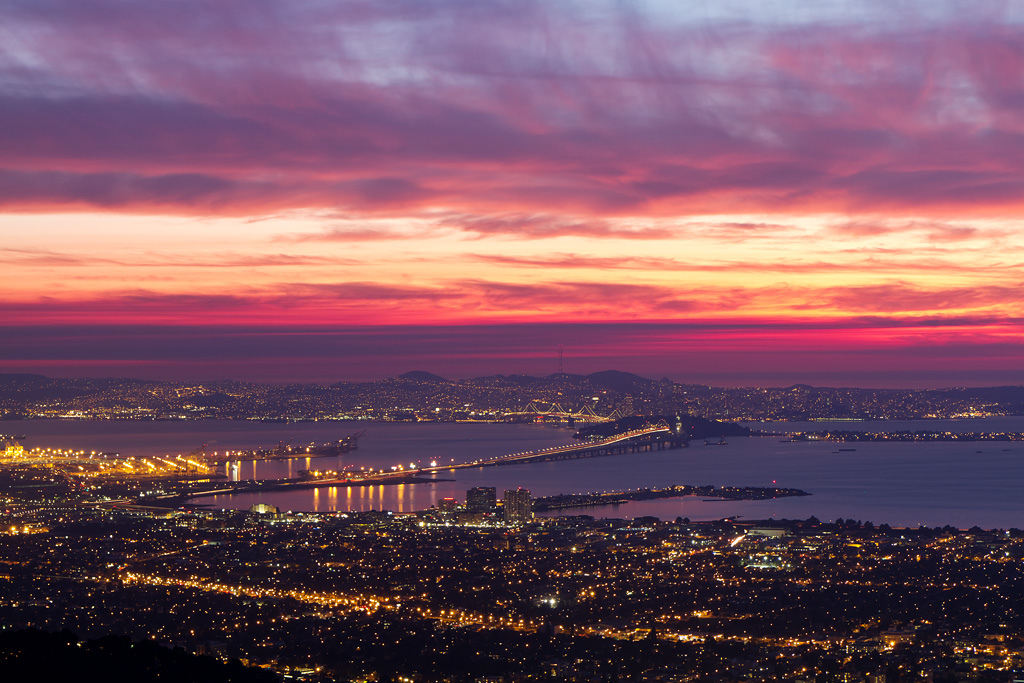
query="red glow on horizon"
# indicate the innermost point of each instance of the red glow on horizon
(713, 191)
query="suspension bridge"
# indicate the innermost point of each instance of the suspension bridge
(545, 410)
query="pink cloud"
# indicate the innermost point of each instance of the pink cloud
(517, 122)
(47, 257)
(905, 297)
(874, 264)
(934, 231)
(541, 226)
(371, 109)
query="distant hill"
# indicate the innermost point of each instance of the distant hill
(617, 380)
(422, 376)
(1000, 394)
(13, 377)
(518, 380)
(39, 387)
(31, 395)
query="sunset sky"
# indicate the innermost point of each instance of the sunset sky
(733, 193)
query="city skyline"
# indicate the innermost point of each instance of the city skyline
(738, 195)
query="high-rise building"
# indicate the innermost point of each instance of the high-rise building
(481, 499)
(518, 507)
(447, 509)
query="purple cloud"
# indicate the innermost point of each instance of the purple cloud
(547, 110)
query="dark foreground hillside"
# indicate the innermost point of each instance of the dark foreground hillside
(33, 655)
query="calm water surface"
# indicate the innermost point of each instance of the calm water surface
(963, 484)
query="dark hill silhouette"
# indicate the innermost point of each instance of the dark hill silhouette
(422, 376)
(617, 380)
(14, 377)
(33, 655)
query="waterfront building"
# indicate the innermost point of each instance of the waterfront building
(481, 499)
(446, 508)
(518, 507)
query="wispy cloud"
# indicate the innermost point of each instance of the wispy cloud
(555, 110)
(495, 162)
(45, 257)
(931, 231)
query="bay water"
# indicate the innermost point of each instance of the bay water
(963, 484)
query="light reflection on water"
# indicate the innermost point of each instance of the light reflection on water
(963, 484)
(905, 484)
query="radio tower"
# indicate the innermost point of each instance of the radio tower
(559, 359)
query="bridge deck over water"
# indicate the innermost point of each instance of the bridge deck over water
(652, 438)
(659, 437)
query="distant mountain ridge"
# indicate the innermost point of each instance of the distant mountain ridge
(422, 376)
(611, 379)
(616, 380)
(420, 394)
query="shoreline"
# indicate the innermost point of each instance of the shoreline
(267, 485)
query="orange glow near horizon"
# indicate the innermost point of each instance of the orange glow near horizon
(167, 270)
(708, 190)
